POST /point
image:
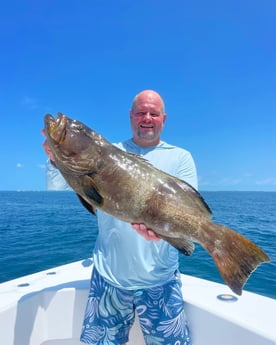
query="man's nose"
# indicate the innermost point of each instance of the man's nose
(147, 116)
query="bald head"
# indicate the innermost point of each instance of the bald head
(147, 116)
(150, 94)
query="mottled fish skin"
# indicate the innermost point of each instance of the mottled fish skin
(130, 188)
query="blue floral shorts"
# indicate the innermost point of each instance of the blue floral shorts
(110, 313)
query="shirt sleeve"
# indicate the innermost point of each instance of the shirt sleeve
(186, 169)
(54, 179)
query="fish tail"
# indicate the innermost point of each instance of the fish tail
(236, 257)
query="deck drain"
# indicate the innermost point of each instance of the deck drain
(225, 297)
(23, 285)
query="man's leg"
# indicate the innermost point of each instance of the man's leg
(161, 314)
(109, 313)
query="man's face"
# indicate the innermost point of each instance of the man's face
(147, 119)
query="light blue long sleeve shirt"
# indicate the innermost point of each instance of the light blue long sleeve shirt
(123, 257)
(54, 179)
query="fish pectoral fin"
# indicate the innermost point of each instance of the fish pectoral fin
(89, 207)
(91, 190)
(93, 194)
(184, 246)
(90, 196)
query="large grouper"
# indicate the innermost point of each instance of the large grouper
(128, 187)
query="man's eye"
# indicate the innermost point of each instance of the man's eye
(143, 113)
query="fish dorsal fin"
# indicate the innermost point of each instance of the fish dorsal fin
(139, 158)
(196, 199)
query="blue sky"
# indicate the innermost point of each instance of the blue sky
(214, 63)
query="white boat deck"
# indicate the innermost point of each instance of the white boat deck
(47, 308)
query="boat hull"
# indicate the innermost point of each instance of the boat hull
(47, 308)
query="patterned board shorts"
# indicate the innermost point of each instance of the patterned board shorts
(110, 313)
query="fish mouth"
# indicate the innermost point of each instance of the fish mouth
(56, 128)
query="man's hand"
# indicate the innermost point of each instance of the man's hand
(47, 148)
(148, 234)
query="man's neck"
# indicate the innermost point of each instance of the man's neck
(145, 143)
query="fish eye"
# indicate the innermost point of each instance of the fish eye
(78, 126)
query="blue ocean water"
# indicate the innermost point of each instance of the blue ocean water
(41, 230)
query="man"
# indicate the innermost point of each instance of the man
(132, 272)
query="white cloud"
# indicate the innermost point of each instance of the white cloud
(29, 102)
(245, 181)
(41, 166)
(19, 165)
(230, 181)
(202, 181)
(267, 181)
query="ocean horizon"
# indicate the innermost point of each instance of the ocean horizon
(44, 229)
